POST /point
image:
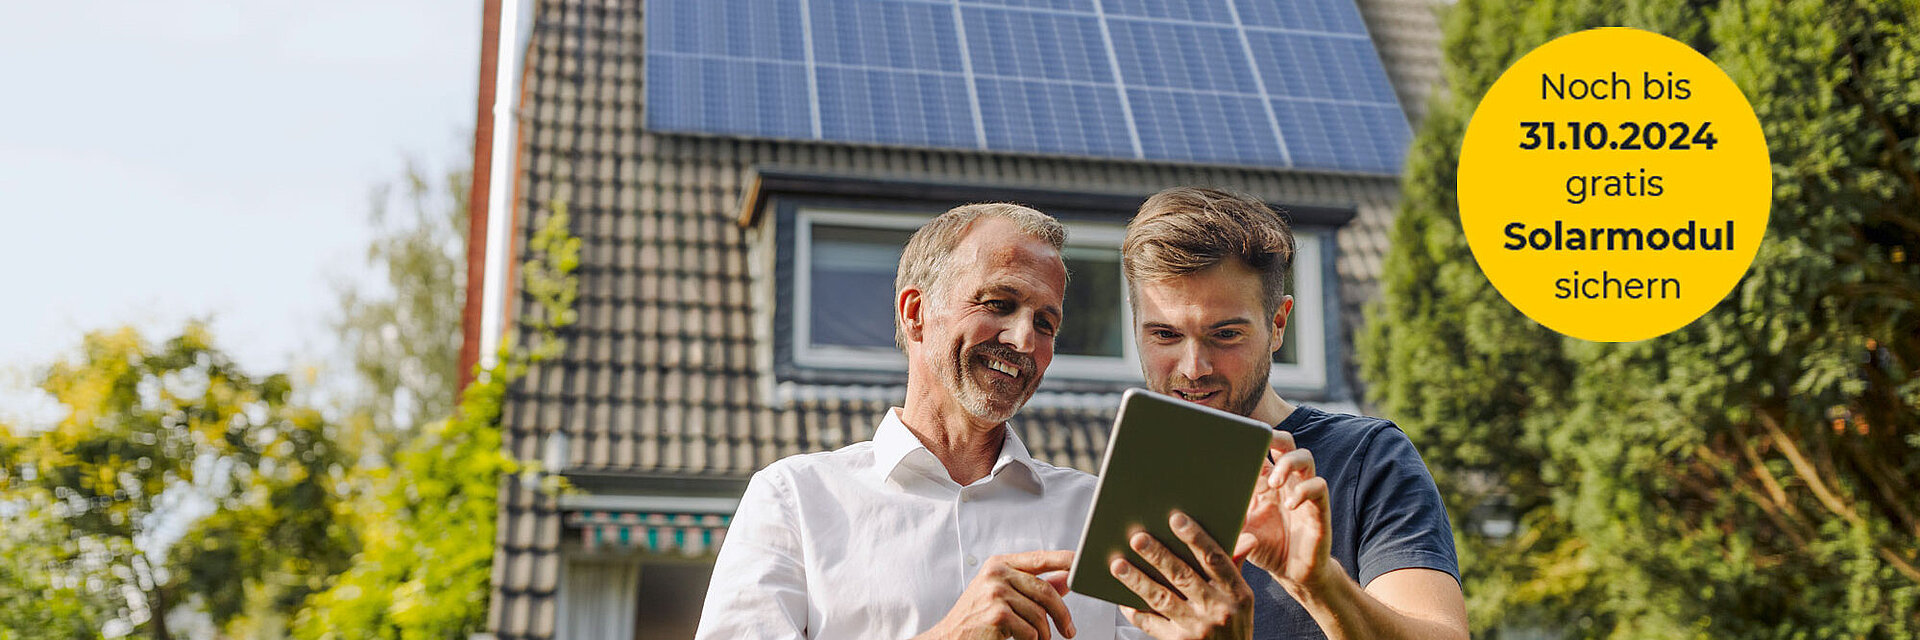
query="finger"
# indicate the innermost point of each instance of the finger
(1212, 558)
(1170, 566)
(1314, 489)
(1244, 545)
(1154, 624)
(1279, 445)
(1057, 580)
(1045, 601)
(1027, 621)
(1156, 596)
(1261, 488)
(1296, 462)
(1282, 442)
(1036, 562)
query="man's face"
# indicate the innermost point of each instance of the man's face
(1204, 337)
(988, 327)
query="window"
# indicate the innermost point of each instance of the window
(629, 597)
(848, 264)
(841, 311)
(1095, 341)
(668, 600)
(845, 263)
(1301, 361)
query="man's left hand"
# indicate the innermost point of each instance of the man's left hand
(1210, 601)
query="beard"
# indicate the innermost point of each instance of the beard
(1238, 397)
(999, 397)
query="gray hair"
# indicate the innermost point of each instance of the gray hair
(931, 248)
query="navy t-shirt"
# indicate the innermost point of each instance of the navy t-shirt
(1387, 513)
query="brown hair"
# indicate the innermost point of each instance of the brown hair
(1185, 230)
(931, 247)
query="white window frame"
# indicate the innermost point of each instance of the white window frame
(805, 353)
(1309, 370)
(1102, 368)
(1308, 317)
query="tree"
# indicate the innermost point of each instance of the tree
(35, 602)
(1749, 475)
(152, 435)
(403, 337)
(428, 524)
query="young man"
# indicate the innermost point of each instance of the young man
(1347, 536)
(942, 526)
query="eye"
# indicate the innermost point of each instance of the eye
(1046, 326)
(998, 306)
(1227, 334)
(1163, 334)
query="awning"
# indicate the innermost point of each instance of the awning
(685, 534)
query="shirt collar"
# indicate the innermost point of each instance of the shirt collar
(895, 446)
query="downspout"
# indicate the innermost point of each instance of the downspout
(499, 182)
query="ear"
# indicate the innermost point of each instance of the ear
(1280, 323)
(911, 312)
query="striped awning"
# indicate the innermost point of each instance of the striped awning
(685, 534)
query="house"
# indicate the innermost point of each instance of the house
(742, 175)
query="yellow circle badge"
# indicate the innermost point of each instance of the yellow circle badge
(1614, 185)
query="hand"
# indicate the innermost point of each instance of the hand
(1212, 600)
(1289, 529)
(1008, 599)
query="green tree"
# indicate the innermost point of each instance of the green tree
(402, 334)
(36, 601)
(1749, 475)
(429, 522)
(150, 436)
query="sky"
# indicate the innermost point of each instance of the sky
(162, 161)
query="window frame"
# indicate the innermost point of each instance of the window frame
(1311, 321)
(1310, 340)
(800, 338)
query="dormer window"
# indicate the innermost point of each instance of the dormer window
(837, 257)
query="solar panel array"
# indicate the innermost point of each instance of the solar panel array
(1285, 83)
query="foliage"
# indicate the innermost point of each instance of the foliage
(429, 527)
(150, 437)
(1747, 476)
(35, 601)
(406, 358)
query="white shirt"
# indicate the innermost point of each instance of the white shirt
(875, 540)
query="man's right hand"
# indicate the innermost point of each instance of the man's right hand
(1289, 527)
(1009, 599)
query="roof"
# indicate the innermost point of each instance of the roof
(1287, 84)
(664, 377)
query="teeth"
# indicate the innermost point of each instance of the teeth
(1002, 367)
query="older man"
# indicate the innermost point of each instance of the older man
(942, 526)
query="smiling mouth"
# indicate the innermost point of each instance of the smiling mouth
(1195, 396)
(1002, 367)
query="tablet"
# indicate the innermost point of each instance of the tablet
(1166, 454)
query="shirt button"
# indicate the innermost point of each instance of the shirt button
(966, 497)
(972, 561)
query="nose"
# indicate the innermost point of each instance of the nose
(1194, 363)
(1020, 333)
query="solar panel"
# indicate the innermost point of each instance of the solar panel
(1242, 82)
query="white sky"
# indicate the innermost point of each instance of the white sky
(161, 161)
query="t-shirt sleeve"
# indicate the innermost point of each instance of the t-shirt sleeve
(1403, 523)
